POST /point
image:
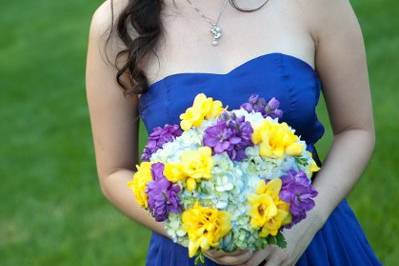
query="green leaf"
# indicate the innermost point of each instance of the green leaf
(200, 259)
(301, 161)
(281, 240)
(271, 240)
(261, 243)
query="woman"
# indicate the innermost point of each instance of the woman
(165, 55)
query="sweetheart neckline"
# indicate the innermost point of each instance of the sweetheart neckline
(236, 68)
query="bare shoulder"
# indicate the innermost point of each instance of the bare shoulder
(102, 33)
(324, 9)
(326, 16)
(104, 16)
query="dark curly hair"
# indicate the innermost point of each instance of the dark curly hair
(144, 17)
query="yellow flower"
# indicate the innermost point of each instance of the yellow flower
(174, 172)
(191, 118)
(276, 139)
(312, 167)
(205, 227)
(139, 183)
(202, 108)
(272, 226)
(197, 164)
(191, 184)
(194, 165)
(268, 212)
(215, 110)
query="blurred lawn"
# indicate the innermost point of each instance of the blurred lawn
(51, 209)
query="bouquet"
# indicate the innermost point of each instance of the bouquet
(226, 179)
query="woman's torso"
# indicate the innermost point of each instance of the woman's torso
(269, 52)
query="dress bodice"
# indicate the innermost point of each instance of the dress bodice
(291, 80)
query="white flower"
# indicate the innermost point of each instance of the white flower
(255, 118)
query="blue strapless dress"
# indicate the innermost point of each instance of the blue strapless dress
(295, 83)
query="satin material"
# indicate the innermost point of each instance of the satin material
(297, 86)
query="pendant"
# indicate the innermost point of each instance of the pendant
(216, 32)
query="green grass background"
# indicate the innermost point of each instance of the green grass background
(51, 208)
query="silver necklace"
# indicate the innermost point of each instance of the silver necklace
(215, 30)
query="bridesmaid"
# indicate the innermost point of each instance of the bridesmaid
(151, 40)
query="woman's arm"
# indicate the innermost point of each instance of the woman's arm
(342, 67)
(114, 122)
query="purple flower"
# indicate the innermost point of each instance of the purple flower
(255, 104)
(162, 194)
(272, 110)
(298, 191)
(158, 137)
(259, 104)
(231, 134)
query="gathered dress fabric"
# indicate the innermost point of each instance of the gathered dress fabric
(295, 83)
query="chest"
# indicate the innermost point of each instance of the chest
(185, 45)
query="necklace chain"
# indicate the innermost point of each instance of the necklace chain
(215, 30)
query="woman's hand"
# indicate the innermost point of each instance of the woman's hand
(233, 258)
(298, 238)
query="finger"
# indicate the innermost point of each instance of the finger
(259, 256)
(218, 253)
(236, 260)
(276, 259)
(214, 253)
(237, 252)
